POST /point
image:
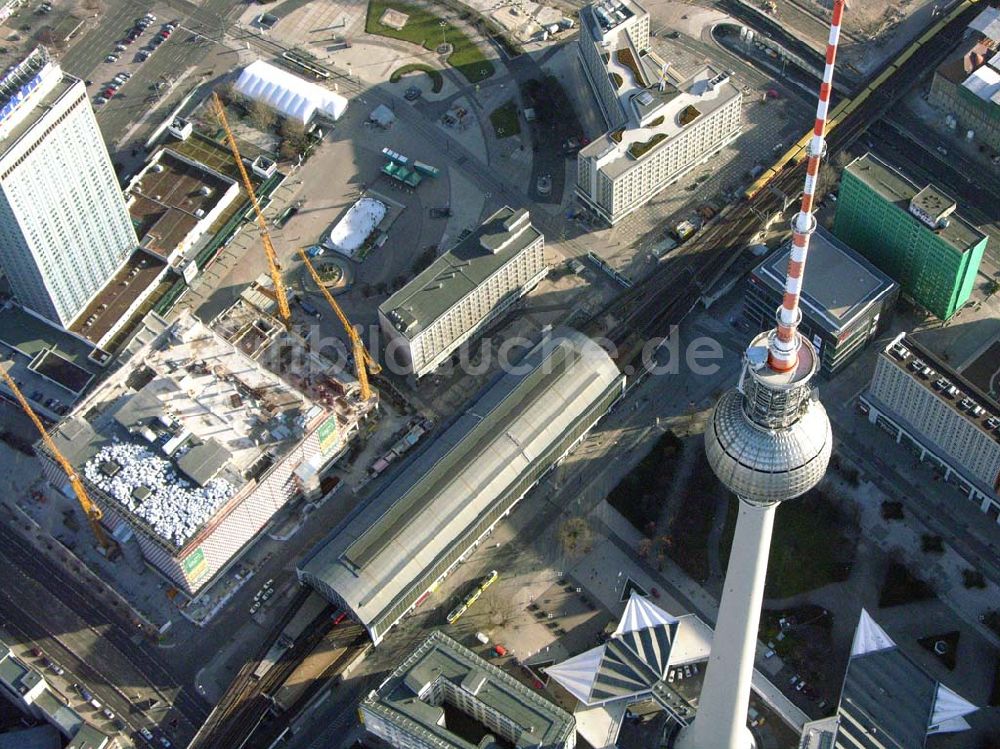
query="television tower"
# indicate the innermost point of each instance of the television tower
(769, 440)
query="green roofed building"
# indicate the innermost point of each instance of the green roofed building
(911, 233)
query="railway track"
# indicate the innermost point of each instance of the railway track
(247, 710)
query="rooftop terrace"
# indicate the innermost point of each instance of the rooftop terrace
(656, 116)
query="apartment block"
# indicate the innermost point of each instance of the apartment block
(660, 126)
(463, 291)
(941, 416)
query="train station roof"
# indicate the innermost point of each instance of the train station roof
(412, 526)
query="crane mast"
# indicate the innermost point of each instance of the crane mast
(272, 257)
(91, 510)
(363, 361)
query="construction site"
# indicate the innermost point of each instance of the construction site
(192, 447)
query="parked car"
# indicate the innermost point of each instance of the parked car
(37, 652)
(144, 732)
(143, 55)
(111, 58)
(412, 93)
(108, 714)
(95, 703)
(101, 100)
(56, 669)
(165, 742)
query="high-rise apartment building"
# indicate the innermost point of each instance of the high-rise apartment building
(941, 416)
(64, 228)
(660, 126)
(912, 234)
(464, 290)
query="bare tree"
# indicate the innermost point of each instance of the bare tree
(575, 536)
(499, 607)
(261, 115)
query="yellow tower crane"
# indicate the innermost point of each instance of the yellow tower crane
(363, 361)
(92, 511)
(272, 256)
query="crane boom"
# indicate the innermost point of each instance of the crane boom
(272, 257)
(92, 511)
(363, 361)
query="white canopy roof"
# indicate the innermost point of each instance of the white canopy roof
(293, 97)
(640, 614)
(869, 636)
(949, 709)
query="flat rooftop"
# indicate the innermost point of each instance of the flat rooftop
(179, 431)
(170, 196)
(38, 97)
(899, 190)
(106, 309)
(911, 357)
(43, 359)
(606, 15)
(405, 697)
(839, 283)
(460, 271)
(656, 117)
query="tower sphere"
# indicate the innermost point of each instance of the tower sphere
(770, 440)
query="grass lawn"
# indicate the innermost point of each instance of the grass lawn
(640, 493)
(505, 121)
(813, 544)
(424, 28)
(437, 80)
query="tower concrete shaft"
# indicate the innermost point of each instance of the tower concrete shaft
(725, 695)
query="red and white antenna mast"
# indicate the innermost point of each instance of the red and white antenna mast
(783, 349)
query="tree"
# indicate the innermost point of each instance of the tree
(575, 536)
(293, 138)
(261, 115)
(499, 607)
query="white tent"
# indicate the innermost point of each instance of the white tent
(293, 97)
